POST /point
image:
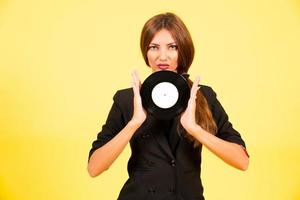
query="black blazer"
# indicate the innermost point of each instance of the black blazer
(160, 167)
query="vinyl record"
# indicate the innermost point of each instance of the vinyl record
(165, 94)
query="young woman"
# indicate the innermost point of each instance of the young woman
(166, 154)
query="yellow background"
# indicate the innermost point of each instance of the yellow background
(61, 61)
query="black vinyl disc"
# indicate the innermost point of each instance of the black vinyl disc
(165, 94)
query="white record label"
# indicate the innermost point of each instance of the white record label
(165, 95)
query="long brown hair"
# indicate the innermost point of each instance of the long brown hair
(181, 35)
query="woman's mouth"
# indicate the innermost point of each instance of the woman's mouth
(163, 66)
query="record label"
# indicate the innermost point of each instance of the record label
(165, 95)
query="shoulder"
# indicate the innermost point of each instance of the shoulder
(126, 93)
(208, 93)
(122, 101)
(123, 97)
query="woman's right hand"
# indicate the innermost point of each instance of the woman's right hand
(139, 113)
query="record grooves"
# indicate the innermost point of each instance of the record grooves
(165, 94)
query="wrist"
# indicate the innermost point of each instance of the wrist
(134, 123)
(195, 130)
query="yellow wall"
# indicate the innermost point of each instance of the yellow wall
(61, 61)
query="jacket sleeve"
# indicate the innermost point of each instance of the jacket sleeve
(113, 125)
(225, 129)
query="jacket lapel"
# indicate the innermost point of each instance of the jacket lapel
(161, 138)
(162, 141)
(174, 137)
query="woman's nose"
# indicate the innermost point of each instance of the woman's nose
(163, 55)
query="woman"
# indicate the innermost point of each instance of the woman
(166, 154)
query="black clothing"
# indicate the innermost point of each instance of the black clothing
(163, 165)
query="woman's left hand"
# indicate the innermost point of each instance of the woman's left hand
(188, 119)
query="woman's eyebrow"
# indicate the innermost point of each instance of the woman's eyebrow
(158, 44)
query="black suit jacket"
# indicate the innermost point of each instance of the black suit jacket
(160, 167)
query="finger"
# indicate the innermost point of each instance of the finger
(195, 88)
(191, 103)
(134, 76)
(134, 84)
(197, 81)
(137, 77)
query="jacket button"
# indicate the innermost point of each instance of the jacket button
(172, 189)
(151, 190)
(173, 163)
(146, 135)
(150, 163)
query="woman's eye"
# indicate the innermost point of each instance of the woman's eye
(173, 47)
(152, 47)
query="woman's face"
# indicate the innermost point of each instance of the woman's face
(163, 52)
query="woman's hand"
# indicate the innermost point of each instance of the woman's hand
(188, 119)
(139, 114)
